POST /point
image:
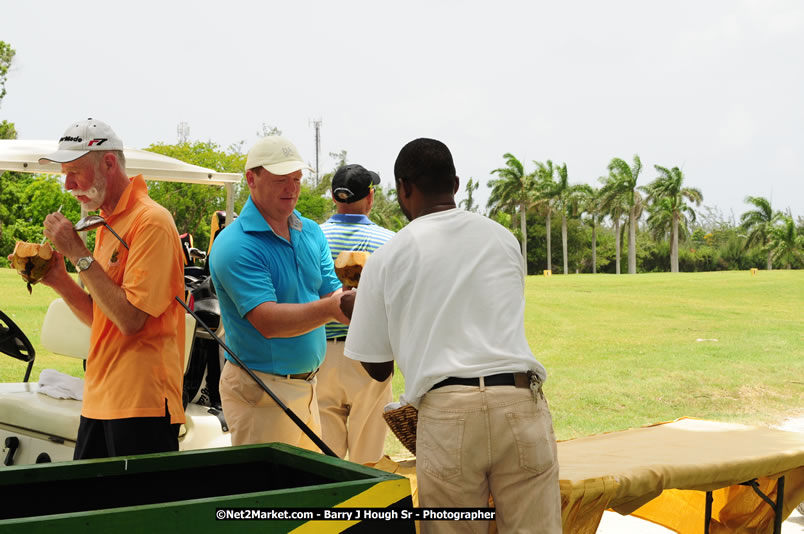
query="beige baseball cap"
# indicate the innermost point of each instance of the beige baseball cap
(83, 137)
(276, 155)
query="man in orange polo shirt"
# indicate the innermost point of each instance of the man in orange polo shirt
(132, 392)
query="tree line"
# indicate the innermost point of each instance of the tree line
(655, 222)
(764, 237)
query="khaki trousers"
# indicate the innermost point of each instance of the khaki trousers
(472, 441)
(254, 417)
(351, 403)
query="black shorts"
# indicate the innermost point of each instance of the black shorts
(103, 438)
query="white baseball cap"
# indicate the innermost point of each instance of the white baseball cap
(83, 137)
(276, 155)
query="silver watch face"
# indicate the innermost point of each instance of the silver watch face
(84, 263)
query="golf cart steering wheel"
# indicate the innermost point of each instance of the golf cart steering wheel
(14, 343)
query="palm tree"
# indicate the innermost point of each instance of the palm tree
(591, 202)
(661, 214)
(660, 219)
(469, 202)
(669, 186)
(784, 245)
(385, 211)
(497, 206)
(546, 188)
(614, 204)
(568, 201)
(758, 223)
(514, 187)
(624, 182)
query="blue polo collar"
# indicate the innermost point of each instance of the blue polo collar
(350, 218)
(252, 220)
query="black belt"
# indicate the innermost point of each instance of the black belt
(341, 338)
(520, 380)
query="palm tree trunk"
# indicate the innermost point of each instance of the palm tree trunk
(523, 227)
(594, 246)
(549, 255)
(564, 239)
(674, 245)
(617, 244)
(632, 242)
(770, 260)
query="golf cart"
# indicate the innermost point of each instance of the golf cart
(36, 428)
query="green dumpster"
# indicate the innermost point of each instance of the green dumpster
(233, 489)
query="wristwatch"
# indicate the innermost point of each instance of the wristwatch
(84, 263)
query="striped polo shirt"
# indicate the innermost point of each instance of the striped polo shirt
(346, 231)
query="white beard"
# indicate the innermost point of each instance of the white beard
(95, 194)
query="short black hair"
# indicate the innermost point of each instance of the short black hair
(426, 163)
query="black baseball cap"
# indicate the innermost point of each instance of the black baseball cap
(353, 182)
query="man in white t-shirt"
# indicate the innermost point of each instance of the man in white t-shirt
(445, 299)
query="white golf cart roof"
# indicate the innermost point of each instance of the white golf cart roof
(23, 156)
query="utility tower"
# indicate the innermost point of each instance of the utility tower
(316, 123)
(183, 132)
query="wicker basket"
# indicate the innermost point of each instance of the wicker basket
(402, 422)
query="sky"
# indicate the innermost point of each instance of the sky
(712, 87)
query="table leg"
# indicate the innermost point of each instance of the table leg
(776, 506)
(777, 524)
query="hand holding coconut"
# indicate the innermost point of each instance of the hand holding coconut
(348, 267)
(32, 261)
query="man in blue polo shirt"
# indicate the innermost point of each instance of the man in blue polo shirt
(350, 401)
(277, 288)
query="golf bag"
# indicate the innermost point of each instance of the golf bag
(201, 381)
(204, 369)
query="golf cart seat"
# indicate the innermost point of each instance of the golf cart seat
(33, 427)
(22, 407)
(56, 420)
(63, 333)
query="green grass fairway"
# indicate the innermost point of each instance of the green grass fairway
(629, 350)
(621, 351)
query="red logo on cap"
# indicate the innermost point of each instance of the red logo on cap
(98, 141)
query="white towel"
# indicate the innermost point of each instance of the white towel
(392, 406)
(60, 386)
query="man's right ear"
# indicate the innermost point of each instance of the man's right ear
(407, 188)
(109, 160)
(250, 178)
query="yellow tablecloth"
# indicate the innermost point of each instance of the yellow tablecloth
(631, 471)
(660, 473)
